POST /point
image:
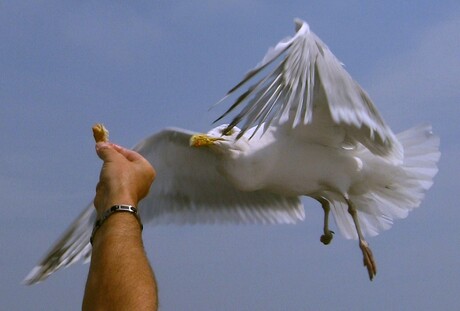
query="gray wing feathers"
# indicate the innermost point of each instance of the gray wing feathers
(73, 246)
(309, 77)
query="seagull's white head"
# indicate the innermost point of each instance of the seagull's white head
(221, 140)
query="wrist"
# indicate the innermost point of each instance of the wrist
(111, 213)
(114, 199)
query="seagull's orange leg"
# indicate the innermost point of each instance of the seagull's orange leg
(368, 258)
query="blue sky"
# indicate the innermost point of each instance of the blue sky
(140, 66)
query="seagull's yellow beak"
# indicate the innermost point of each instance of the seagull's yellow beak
(203, 140)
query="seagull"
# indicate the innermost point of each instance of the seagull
(304, 128)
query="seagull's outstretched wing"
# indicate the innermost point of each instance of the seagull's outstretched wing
(310, 80)
(188, 189)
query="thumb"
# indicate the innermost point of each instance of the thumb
(106, 151)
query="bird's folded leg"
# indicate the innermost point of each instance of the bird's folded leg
(368, 258)
(326, 238)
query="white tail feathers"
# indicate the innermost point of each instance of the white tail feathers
(395, 199)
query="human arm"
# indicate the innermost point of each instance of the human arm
(120, 276)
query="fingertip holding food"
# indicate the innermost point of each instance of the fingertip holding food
(100, 133)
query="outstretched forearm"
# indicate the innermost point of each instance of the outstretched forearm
(120, 276)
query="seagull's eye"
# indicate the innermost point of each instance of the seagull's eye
(227, 132)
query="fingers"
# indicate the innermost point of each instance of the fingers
(109, 151)
(128, 154)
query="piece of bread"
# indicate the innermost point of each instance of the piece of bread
(100, 133)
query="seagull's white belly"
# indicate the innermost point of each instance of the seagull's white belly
(312, 169)
(295, 169)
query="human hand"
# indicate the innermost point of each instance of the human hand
(125, 177)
